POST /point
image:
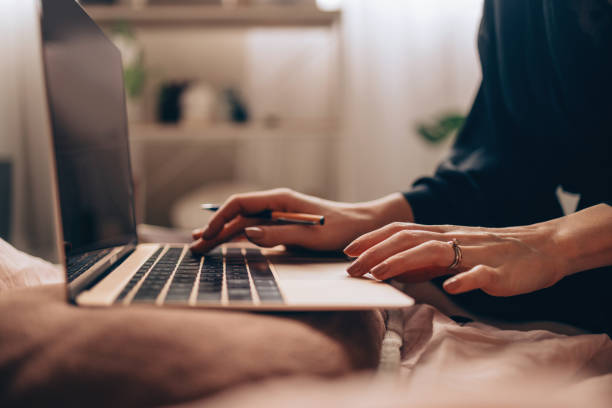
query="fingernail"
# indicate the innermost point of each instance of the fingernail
(351, 248)
(379, 270)
(254, 232)
(196, 231)
(355, 269)
(452, 284)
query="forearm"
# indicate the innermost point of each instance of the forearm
(584, 239)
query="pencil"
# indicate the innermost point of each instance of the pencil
(279, 216)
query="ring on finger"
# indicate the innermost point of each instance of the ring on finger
(458, 254)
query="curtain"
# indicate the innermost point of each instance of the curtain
(403, 62)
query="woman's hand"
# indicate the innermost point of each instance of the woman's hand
(343, 221)
(500, 261)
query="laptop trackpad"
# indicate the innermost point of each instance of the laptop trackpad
(326, 284)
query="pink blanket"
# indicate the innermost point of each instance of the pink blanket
(448, 365)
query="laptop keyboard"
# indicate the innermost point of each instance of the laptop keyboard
(78, 264)
(167, 277)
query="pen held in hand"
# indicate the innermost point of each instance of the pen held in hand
(279, 216)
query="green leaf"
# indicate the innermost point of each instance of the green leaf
(442, 128)
(134, 78)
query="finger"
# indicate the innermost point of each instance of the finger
(244, 204)
(230, 230)
(396, 243)
(197, 233)
(478, 277)
(372, 238)
(421, 275)
(269, 236)
(430, 255)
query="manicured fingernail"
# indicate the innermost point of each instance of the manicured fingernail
(379, 270)
(197, 231)
(355, 269)
(254, 232)
(351, 248)
(452, 284)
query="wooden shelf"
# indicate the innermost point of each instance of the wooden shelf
(143, 132)
(214, 15)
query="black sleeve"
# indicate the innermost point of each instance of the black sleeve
(541, 119)
(490, 179)
(498, 173)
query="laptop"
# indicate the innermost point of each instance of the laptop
(105, 264)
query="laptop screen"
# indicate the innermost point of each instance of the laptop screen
(84, 81)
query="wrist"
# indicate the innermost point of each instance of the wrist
(554, 245)
(583, 240)
(385, 210)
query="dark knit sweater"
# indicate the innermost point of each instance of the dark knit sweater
(542, 118)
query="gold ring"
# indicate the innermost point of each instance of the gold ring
(458, 254)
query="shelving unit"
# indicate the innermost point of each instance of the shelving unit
(171, 161)
(214, 15)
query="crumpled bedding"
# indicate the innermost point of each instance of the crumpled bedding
(359, 391)
(18, 269)
(438, 351)
(445, 364)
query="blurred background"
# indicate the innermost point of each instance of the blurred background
(348, 100)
